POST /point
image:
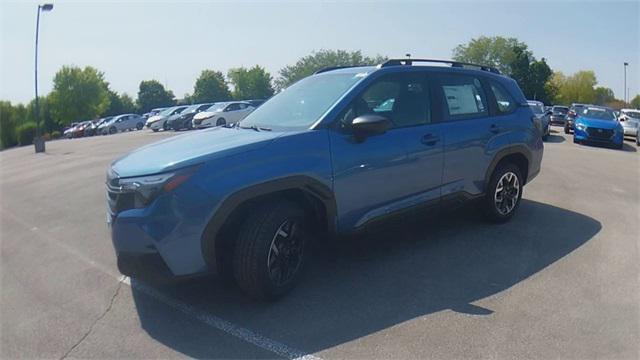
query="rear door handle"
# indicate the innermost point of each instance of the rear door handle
(494, 128)
(430, 139)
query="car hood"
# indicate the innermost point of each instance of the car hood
(602, 124)
(205, 114)
(154, 119)
(190, 149)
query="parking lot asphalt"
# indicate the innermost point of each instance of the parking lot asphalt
(561, 280)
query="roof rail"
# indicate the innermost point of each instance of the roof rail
(396, 62)
(330, 68)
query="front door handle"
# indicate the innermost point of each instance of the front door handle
(494, 128)
(430, 139)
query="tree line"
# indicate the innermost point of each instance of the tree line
(84, 94)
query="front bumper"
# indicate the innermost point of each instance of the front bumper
(583, 135)
(558, 120)
(156, 125)
(630, 131)
(163, 240)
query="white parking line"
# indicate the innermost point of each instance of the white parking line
(211, 320)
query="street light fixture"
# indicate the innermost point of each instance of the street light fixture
(38, 142)
(625, 82)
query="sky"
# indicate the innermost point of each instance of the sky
(173, 41)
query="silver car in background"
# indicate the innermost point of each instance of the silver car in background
(121, 123)
(630, 120)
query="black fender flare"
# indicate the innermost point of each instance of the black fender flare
(309, 185)
(501, 154)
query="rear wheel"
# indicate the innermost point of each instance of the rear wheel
(139, 126)
(221, 122)
(503, 194)
(155, 130)
(113, 130)
(270, 250)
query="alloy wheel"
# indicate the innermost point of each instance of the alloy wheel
(285, 253)
(507, 193)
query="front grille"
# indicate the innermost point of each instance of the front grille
(600, 133)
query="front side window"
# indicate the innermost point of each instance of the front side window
(464, 96)
(402, 98)
(505, 103)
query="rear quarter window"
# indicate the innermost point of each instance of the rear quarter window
(464, 97)
(504, 101)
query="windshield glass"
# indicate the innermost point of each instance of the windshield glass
(166, 112)
(560, 109)
(633, 114)
(600, 114)
(301, 104)
(216, 107)
(191, 109)
(537, 109)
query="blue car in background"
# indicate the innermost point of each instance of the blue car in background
(332, 154)
(598, 125)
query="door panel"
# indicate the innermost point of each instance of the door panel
(387, 173)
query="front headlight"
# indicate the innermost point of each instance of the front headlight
(581, 127)
(145, 189)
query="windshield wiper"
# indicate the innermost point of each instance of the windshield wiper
(255, 127)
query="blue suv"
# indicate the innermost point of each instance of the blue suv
(331, 154)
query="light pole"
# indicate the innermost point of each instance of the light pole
(38, 142)
(625, 82)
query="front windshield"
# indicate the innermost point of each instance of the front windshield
(166, 112)
(560, 109)
(633, 114)
(537, 109)
(302, 104)
(191, 109)
(600, 114)
(216, 107)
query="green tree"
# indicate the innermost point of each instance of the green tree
(210, 87)
(309, 64)
(254, 83)
(78, 94)
(577, 88)
(603, 96)
(496, 51)
(635, 102)
(7, 125)
(152, 94)
(119, 104)
(513, 58)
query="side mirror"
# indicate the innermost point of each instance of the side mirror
(369, 125)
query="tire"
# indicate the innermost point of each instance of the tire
(256, 247)
(566, 130)
(509, 176)
(164, 126)
(221, 122)
(155, 130)
(113, 130)
(575, 141)
(139, 126)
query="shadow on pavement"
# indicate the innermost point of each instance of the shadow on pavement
(555, 138)
(375, 281)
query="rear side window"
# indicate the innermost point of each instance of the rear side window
(505, 103)
(464, 96)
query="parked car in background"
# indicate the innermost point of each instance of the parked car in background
(574, 111)
(598, 125)
(630, 120)
(256, 102)
(224, 113)
(558, 115)
(183, 119)
(68, 131)
(78, 130)
(159, 121)
(153, 112)
(542, 117)
(92, 129)
(214, 201)
(121, 123)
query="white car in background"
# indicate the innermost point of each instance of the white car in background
(158, 122)
(630, 121)
(224, 113)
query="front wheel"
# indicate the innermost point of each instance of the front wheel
(221, 122)
(503, 194)
(270, 250)
(113, 130)
(566, 130)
